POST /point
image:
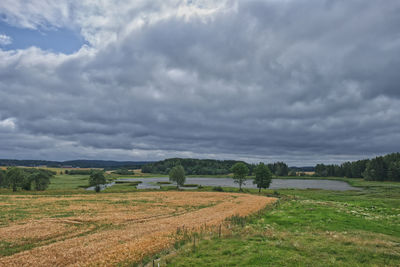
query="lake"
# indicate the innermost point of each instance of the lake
(148, 183)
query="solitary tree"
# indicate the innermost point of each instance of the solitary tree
(96, 179)
(177, 174)
(263, 176)
(15, 178)
(240, 171)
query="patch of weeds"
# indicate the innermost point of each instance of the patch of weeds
(190, 185)
(217, 189)
(162, 182)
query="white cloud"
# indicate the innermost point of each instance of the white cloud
(102, 22)
(5, 40)
(34, 14)
(8, 123)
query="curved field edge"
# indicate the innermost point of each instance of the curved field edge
(55, 229)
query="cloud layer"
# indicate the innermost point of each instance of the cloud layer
(301, 81)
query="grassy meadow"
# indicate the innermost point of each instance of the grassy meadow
(310, 228)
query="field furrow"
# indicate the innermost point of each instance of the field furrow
(108, 229)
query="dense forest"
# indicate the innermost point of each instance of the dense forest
(382, 168)
(279, 168)
(208, 166)
(106, 164)
(191, 166)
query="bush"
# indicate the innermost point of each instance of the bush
(167, 188)
(135, 183)
(123, 172)
(218, 189)
(164, 183)
(80, 172)
(128, 182)
(190, 185)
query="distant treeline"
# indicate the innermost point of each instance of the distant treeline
(191, 166)
(383, 168)
(208, 166)
(302, 169)
(106, 164)
(90, 171)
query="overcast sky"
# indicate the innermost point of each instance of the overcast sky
(303, 81)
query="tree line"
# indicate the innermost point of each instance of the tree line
(26, 179)
(101, 164)
(382, 168)
(191, 166)
(209, 166)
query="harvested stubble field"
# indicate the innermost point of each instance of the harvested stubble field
(107, 229)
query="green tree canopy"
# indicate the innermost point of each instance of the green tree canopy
(192, 166)
(381, 168)
(96, 179)
(24, 178)
(263, 176)
(240, 171)
(41, 179)
(376, 170)
(279, 168)
(394, 171)
(177, 174)
(15, 178)
(3, 182)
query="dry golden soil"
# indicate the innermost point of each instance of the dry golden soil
(107, 229)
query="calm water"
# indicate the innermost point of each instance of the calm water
(228, 182)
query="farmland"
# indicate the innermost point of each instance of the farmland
(124, 226)
(81, 229)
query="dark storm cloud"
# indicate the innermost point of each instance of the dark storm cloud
(300, 81)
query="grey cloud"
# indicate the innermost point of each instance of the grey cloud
(299, 81)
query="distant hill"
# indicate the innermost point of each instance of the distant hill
(106, 164)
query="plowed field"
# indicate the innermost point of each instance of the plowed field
(107, 229)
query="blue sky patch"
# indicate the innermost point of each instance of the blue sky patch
(56, 40)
